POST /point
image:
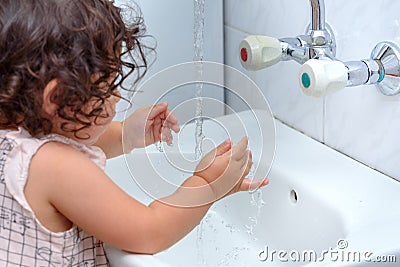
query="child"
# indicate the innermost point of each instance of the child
(61, 62)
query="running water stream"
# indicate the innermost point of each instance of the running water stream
(256, 197)
(199, 136)
(198, 57)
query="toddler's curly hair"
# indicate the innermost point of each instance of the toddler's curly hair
(70, 41)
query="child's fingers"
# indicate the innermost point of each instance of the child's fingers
(251, 185)
(171, 117)
(157, 109)
(166, 135)
(239, 151)
(247, 162)
(210, 157)
(223, 147)
(162, 112)
(173, 126)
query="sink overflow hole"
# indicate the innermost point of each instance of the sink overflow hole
(293, 196)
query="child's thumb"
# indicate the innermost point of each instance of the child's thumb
(251, 185)
(223, 147)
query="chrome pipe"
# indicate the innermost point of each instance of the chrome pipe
(317, 15)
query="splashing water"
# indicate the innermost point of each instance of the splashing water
(200, 242)
(257, 201)
(198, 57)
(159, 146)
(231, 258)
(201, 261)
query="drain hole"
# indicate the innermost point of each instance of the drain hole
(293, 196)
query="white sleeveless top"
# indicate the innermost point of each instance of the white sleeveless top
(24, 241)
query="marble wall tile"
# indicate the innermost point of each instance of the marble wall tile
(361, 122)
(268, 17)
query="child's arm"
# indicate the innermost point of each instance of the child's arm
(144, 127)
(111, 140)
(89, 199)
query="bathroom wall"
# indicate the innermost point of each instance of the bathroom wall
(358, 121)
(170, 24)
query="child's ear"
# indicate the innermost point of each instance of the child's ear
(49, 107)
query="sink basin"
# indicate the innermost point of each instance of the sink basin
(321, 208)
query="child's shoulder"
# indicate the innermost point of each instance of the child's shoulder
(57, 154)
(56, 170)
(54, 151)
(19, 144)
(33, 169)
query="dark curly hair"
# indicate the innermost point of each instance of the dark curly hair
(70, 41)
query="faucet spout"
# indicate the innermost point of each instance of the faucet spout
(318, 42)
(317, 15)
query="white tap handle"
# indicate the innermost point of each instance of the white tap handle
(322, 77)
(258, 52)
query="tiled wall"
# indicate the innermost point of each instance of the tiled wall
(357, 121)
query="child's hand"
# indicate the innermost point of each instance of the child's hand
(225, 169)
(149, 125)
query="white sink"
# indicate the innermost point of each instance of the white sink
(316, 199)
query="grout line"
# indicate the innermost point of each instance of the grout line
(323, 119)
(237, 29)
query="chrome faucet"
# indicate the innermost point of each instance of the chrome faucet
(318, 42)
(321, 73)
(317, 15)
